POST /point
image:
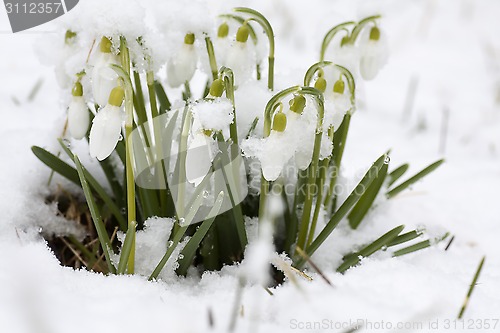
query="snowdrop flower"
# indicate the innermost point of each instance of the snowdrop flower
(211, 115)
(78, 114)
(337, 98)
(346, 54)
(107, 126)
(272, 164)
(104, 78)
(200, 154)
(239, 58)
(222, 44)
(181, 67)
(304, 150)
(374, 52)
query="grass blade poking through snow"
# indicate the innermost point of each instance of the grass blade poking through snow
(344, 208)
(370, 249)
(96, 217)
(193, 209)
(414, 179)
(471, 288)
(113, 207)
(189, 250)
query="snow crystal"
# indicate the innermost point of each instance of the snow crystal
(215, 115)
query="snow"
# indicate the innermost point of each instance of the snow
(450, 46)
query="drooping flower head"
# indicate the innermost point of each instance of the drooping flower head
(239, 58)
(104, 78)
(182, 66)
(107, 126)
(78, 113)
(374, 52)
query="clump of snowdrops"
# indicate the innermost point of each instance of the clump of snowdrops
(216, 178)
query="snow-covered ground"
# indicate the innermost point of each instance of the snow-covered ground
(450, 51)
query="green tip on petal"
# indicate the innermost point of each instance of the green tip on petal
(320, 84)
(217, 88)
(189, 39)
(77, 89)
(105, 45)
(375, 33)
(242, 34)
(223, 30)
(279, 122)
(298, 103)
(69, 36)
(116, 96)
(339, 87)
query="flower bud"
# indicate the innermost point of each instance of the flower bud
(116, 96)
(223, 30)
(105, 132)
(298, 103)
(279, 122)
(78, 114)
(217, 88)
(105, 45)
(242, 34)
(189, 39)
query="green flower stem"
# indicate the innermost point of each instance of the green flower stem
(313, 169)
(329, 36)
(268, 116)
(361, 24)
(124, 71)
(157, 135)
(211, 57)
(259, 18)
(338, 152)
(227, 76)
(319, 199)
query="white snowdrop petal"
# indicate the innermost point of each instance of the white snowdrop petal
(181, 67)
(78, 117)
(198, 158)
(104, 79)
(240, 61)
(105, 132)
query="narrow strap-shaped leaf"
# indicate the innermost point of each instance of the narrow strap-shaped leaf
(412, 248)
(113, 207)
(366, 201)
(96, 217)
(406, 237)
(471, 288)
(127, 247)
(370, 249)
(178, 236)
(56, 164)
(190, 249)
(397, 173)
(414, 179)
(345, 207)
